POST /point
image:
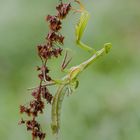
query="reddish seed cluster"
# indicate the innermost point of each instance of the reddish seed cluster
(43, 75)
(34, 126)
(54, 23)
(35, 107)
(63, 10)
(48, 50)
(45, 52)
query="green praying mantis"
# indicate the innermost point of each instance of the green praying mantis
(69, 82)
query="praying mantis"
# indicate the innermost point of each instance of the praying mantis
(69, 82)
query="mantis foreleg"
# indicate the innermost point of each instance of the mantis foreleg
(80, 27)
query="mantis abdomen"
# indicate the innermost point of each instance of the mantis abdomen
(56, 108)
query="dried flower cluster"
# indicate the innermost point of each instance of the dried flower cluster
(54, 38)
(46, 51)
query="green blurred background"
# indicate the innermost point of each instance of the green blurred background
(106, 106)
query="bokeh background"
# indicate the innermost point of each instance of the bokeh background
(106, 106)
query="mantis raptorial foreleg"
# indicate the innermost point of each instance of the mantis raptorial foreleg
(80, 28)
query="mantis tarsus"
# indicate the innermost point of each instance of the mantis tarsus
(69, 82)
